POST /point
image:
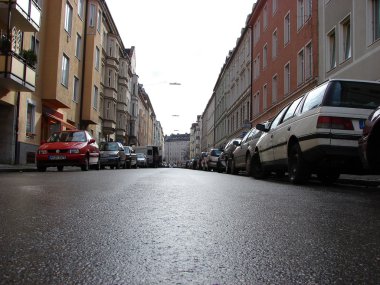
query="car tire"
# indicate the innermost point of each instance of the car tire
(234, 171)
(97, 166)
(41, 168)
(86, 164)
(60, 168)
(118, 164)
(257, 170)
(297, 169)
(248, 165)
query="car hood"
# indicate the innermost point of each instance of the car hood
(108, 152)
(62, 145)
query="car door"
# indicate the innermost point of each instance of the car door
(282, 132)
(239, 153)
(266, 145)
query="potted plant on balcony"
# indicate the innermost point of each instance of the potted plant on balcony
(29, 56)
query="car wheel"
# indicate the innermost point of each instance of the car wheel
(41, 168)
(97, 166)
(248, 164)
(234, 171)
(86, 164)
(328, 177)
(60, 168)
(257, 170)
(118, 164)
(228, 166)
(297, 169)
(125, 164)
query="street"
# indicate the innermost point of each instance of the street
(181, 226)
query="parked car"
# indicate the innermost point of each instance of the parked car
(318, 132)
(241, 158)
(212, 158)
(131, 158)
(68, 148)
(369, 143)
(141, 160)
(112, 155)
(202, 161)
(225, 158)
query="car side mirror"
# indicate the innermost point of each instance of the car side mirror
(91, 141)
(262, 127)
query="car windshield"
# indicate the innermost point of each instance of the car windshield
(126, 150)
(365, 95)
(216, 152)
(108, 147)
(68, 137)
(140, 155)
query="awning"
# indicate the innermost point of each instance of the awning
(66, 124)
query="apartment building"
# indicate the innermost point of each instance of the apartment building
(349, 39)
(20, 106)
(207, 119)
(284, 57)
(195, 138)
(177, 148)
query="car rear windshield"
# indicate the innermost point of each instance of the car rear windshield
(215, 152)
(109, 146)
(351, 94)
(68, 137)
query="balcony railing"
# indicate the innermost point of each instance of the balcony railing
(15, 73)
(25, 14)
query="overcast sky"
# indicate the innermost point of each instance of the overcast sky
(183, 41)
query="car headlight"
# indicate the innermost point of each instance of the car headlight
(74, 150)
(42, 151)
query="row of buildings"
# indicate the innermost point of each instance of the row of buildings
(63, 65)
(285, 49)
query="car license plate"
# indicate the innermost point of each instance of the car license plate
(361, 124)
(57, 157)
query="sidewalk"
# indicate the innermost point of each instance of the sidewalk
(18, 167)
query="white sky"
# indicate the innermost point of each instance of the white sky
(184, 41)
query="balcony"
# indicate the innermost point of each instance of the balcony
(15, 73)
(25, 14)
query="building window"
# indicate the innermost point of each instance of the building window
(265, 17)
(68, 17)
(274, 44)
(265, 97)
(97, 58)
(303, 12)
(308, 61)
(76, 90)
(287, 28)
(78, 46)
(331, 50)
(375, 13)
(65, 71)
(30, 118)
(80, 8)
(256, 32)
(92, 15)
(265, 56)
(256, 104)
(346, 39)
(95, 98)
(274, 6)
(274, 89)
(287, 79)
(300, 67)
(99, 20)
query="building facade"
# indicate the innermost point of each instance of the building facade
(284, 61)
(177, 149)
(349, 39)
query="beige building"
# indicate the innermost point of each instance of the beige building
(64, 66)
(349, 39)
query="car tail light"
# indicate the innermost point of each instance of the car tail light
(337, 123)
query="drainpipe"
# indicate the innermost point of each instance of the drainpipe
(250, 107)
(17, 144)
(81, 123)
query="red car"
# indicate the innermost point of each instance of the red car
(68, 148)
(369, 143)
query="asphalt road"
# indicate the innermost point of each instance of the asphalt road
(178, 226)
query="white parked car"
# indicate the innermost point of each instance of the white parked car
(318, 132)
